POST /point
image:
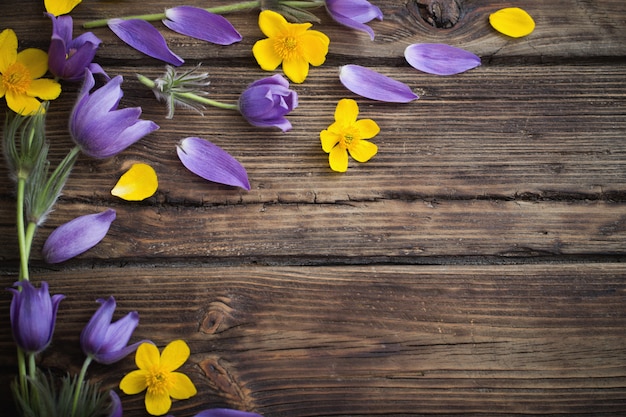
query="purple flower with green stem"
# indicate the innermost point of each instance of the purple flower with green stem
(354, 14)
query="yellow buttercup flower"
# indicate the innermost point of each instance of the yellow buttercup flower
(156, 375)
(20, 73)
(138, 183)
(59, 7)
(292, 44)
(348, 135)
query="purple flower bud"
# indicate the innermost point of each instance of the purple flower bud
(33, 315)
(104, 341)
(266, 102)
(211, 162)
(439, 58)
(201, 24)
(67, 57)
(226, 412)
(77, 236)
(98, 127)
(145, 38)
(375, 86)
(354, 14)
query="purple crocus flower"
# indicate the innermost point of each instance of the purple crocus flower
(440, 59)
(104, 341)
(67, 57)
(77, 236)
(375, 86)
(201, 24)
(354, 14)
(266, 102)
(211, 162)
(33, 315)
(98, 127)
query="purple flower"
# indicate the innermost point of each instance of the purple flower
(77, 236)
(33, 315)
(98, 127)
(354, 13)
(116, 405)
(440, 59)
(67, 57)
(211, 162)
(224, 412)
(104, 341)
(266, 102)
(373, 85)
(145, 38)
(201, 24)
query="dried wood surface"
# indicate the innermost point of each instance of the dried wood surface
(473, 267)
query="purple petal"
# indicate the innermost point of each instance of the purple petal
(77, 236)
(201, 24)
(211, 162)
(226, 412)
(373, 85)
(354, 13)
(440, 59)
(145, 38)
(116, 405)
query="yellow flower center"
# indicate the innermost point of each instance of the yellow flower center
(159, 381)
(349, 135)
(16, 78)
(286, 46)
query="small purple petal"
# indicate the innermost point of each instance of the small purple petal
(77, 236)
(354, 13)
(440, 59)
(201, 24)
(116, 405)
(145, 38)
(226, 412)
(211, 162)
(373, 85)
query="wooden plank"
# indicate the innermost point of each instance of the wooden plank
(492, 340)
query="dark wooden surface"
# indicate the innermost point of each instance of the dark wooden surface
(473, 267)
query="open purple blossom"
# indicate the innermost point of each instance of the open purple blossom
(33, 316)
(375, 86)
(200, 24)
(440, 59)
(107, 342)
(267, 101)
(354, 14)
(211, 162)
(145, 38)
(77, 236)
(67, 57)
(98, 127)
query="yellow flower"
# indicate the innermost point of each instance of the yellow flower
(290, 43)
(59, 7)
(19, 76)
(512, 21)
(156, 374)
(138, 183)
(348, 134)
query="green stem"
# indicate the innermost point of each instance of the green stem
(79, 383)
(21, 235)
(21, 368)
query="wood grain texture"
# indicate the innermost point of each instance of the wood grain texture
(473, 267)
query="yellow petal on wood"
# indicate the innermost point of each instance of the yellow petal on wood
(512, 21)
(138, 183)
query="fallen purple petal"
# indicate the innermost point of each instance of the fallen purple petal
(201, 24)
(440, 59)
(375, 86)
(145, 38)
(211, 162)
(354, 14)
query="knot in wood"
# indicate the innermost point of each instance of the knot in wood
(442, 14)
(217, 319)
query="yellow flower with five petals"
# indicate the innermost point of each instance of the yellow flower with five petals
(156, 375)
(348, 135)
(20, 73)
(292, 44)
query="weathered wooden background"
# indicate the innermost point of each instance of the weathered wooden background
(473, 267)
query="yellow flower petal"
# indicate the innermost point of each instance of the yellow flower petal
(8, 49)
(157, 403)
(147, 356)
(134, 382)
(338, 159)
(363, 151)
(329, 140)
(512, 21)
(138, 183)
(272, 23)
(44, 88)
(347, 111)
(314, 47)
(23, 104)
(182, 388)
(174, 355)
(265, 55)
(35, 60)
(59, 7)
(296, 69)
(367, 128)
